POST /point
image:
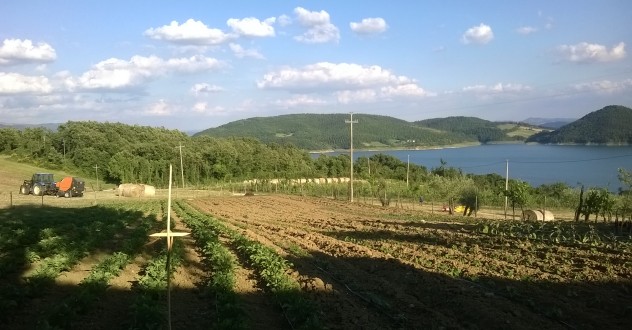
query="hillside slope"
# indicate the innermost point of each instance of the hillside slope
(610, 125)
(329, 131)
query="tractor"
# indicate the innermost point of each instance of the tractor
(70, 187)
(39, 185)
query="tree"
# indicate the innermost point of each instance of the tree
(469, 199)
(518, 195)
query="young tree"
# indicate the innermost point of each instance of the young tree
(468, 198)
(518, 195)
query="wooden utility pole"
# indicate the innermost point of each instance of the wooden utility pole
(407, 170)
(181, 166)
(96, 174)
(351, 121)
(506, 185)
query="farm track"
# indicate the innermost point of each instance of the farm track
(451, 275)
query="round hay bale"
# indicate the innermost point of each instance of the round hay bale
(533, 215)
(149, 191)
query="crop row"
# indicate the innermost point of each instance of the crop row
(271, 268)
(53, 240)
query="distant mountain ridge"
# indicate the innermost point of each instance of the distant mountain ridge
(329, 131)
(610, 125)
(553, 123)
(50, 126)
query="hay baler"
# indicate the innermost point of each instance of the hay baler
(70, 187)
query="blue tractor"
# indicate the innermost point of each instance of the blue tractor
(39, 185)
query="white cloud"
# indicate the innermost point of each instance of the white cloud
(115, 73)
(241, 52)
(203, 108)
(604, 86)
(252, 27)
(584, 52)
(357, 96)
(15, 51)
(284, 20)
(204, 88)
(320, 29)
(190, 32)
(369, 26)
(160, 108)
(299, 101)
(525, 30)
(325, 75)
(481, 34)
(406, 90)
(497, 88)
(15, 83)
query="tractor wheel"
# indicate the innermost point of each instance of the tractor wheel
(67, 194)
(23, 190)
(37, 190)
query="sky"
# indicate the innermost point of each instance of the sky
(193, 65)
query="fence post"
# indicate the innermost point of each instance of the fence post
(42, 200)
(10, 199)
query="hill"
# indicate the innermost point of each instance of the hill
(329, 131)
(610, 125)
(552, 123)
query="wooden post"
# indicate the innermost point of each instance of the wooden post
(11, 199)
(169, 235)
(42, 200)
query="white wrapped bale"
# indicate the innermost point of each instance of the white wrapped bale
(135, 190)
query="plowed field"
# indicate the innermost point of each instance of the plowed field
(350, 266)
(377, 268)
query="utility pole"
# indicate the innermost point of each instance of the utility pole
(407, 170)
(96, 174)
(351, 121)
(506, 185)
(63, 141)
(181, 167)
(368, 160)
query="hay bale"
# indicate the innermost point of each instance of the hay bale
(149, 191)
(135, 190)
(538, 215)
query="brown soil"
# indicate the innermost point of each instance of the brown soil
(368, 267)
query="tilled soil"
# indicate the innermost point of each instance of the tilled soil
(379, 271)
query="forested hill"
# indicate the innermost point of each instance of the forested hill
(610, 125)
(484, 130)
(329, 131)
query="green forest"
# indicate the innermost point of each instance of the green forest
(141, 154)
(610, 125)
(330, 131)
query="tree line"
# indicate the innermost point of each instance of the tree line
(141, 154)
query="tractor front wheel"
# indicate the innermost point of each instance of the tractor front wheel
(37, 190)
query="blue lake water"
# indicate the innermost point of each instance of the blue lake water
(592, 166)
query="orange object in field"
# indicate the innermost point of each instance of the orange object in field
(65, 184)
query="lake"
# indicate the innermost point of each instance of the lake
(592, 166)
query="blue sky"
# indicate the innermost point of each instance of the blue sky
(192, 65)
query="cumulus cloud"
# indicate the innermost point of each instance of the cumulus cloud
(160, 108)
(204, 88)
(348, 83)
(584, 52)
(325, 75)
(319, 27)
(369, 26)
(252, 27)
(113, 73)
(241, 52)
(190, 32)
(15, 83)
(481, 34)
(16, 51)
